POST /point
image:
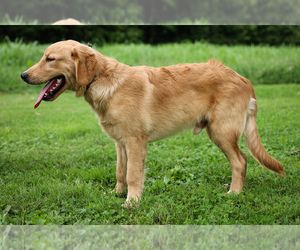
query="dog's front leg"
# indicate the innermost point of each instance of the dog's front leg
(136, 149)
(121, 171)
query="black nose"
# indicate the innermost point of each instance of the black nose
(24, 76)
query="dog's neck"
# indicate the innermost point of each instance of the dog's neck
(104, 84)
(89, 85)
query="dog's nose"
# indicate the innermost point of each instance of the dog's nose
(24, 76)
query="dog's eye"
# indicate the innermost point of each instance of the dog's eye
(49, 59)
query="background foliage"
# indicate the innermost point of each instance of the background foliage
(155, 11)
(155, 34)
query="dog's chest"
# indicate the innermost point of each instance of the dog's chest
(113, 127)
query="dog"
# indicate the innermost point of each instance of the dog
(141, 104)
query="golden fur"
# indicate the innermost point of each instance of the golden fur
(136, 105)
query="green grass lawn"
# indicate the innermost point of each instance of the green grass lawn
(58, 167)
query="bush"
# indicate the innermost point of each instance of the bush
(151, 34)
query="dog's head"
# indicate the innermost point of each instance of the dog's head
(64, 65)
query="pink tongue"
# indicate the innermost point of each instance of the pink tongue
(44, 90)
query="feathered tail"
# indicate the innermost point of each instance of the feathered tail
(254, 144)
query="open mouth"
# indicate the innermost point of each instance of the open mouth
(51, 88)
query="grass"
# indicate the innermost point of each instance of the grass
(58, 167)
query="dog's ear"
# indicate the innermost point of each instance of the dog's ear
(85, 64)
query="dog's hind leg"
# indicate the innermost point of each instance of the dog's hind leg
(121, 168)
(226, 137)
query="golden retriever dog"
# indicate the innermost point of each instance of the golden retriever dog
(137, 105)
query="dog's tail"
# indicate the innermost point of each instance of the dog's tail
(254, 144)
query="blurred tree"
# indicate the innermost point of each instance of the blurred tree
(156, 11)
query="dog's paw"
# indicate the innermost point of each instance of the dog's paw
(131, 203)
(119, 194)
(233, 192)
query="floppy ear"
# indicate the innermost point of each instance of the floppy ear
(85, 65)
